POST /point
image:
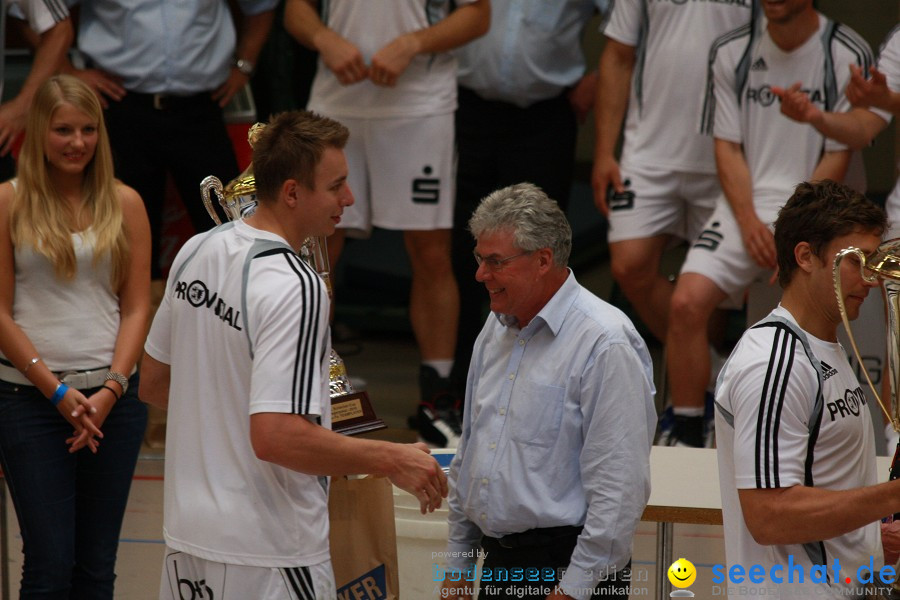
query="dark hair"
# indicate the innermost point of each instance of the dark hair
(290, 147)
(818, 213)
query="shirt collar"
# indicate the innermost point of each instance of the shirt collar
(554, 312)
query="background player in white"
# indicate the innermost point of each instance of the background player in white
(666, 182)
(875, 100)
(238, 353)
(760, 156)
(385, 72)
(797, 468)
(665, 186)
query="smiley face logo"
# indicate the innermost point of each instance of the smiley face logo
(682, 573)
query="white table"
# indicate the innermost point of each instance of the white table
(684, 489)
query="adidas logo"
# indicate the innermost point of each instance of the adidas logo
(759, 65)
(827, 370)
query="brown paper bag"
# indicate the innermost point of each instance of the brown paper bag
(363, 539)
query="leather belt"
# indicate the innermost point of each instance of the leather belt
(81, 380)
(167, 102)
(535, 537)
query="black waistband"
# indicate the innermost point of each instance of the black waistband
(168, 101)
(534, 537)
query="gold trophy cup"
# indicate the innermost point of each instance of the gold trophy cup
(351, 411)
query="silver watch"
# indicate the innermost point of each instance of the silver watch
(244, 66)
(118, 378)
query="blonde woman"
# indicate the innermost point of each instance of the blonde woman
(74, 305)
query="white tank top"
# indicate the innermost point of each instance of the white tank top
(73, 324)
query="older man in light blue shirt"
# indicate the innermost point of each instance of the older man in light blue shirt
(552, 471)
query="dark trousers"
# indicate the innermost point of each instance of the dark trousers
(186, 139)
(7, 167)
(544, 558)
(69, 506)
(500, 144)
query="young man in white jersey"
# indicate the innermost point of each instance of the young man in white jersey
(795, 441)
(760, 156)
(385, 71)
(665, 185)
(238, 354)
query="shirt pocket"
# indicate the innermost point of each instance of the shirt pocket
(536, 414)
(542, 15)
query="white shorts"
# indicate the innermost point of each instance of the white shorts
(186, 577)
(402, 173)
(660, 202)
(718, 253)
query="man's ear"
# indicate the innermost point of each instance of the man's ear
(290, 192)
(545, 258)
(805, 257)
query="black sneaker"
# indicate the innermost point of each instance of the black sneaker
(694, 432)
(438, 416)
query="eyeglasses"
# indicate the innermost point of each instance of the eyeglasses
(497, 264)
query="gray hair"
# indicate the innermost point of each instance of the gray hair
(535, 220)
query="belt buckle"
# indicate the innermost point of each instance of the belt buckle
(159, 101)
(71, 377)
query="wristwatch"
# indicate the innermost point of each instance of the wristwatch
(244, 66)
(118, 378)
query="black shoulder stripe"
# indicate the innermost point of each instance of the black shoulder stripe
(858, 46)
(307, 353)
(781, 361)
(709, 98)
(274, 252)
(57, 8)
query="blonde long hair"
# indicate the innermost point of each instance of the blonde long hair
(39, 216)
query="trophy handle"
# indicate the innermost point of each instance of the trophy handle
(315, 252)
(838, 291)
(213, 183)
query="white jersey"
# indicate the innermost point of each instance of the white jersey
(427, 87)
(769, 385)
(672, 41)
(889, 64)
(780, 152)
(244, 326)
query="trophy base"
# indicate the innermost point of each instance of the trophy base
(352, 414)
(362, 428)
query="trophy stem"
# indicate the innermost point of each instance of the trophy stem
(838, 292)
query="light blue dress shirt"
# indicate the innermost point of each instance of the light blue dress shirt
(558, 424)
(532, 51)
(180, 47)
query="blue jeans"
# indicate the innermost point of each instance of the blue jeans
(69, 506)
